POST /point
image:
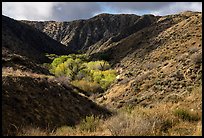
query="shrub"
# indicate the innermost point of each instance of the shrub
(58, 61)
(60, 70)
(98, 65)
(64, 131)
(82, 57)
(193, 49)
(127, 124)
(51, 56)
(87, 86)
(186, 115)
(32, 131)
(94, 75)
(104, 78)
(196, 58)
(73, 67)
(89, 124)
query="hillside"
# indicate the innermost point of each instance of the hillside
(150, 51)
(31, 96)
(157, 91)
(37, 100)
(21, 39)
(162, 62)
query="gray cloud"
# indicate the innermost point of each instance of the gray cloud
(179, 7)
(59, 11)
(138, 6)
(67, 11)
(158, 8)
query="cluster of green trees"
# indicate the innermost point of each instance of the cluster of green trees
(84, 73)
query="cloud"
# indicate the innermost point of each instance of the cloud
(68, 11)
(59, 11)
(28, 10)
(179, 7)
(75, 10)
(158, 8)
(138, 6)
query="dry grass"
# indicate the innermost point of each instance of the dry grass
(9, 71)
(30, 131)
(161, 120)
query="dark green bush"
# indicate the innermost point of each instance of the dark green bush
(186, 115)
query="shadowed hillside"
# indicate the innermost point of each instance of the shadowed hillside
(19, 38)
(41, 101)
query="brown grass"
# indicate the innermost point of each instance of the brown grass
(160, 120)
(9, 71)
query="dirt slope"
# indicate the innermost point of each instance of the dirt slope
(157, 64)
(38, 100)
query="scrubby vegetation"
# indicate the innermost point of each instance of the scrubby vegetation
(165, 119)
(90, 76)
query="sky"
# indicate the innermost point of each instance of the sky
(68, 11)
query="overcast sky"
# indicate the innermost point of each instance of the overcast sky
(68, 11)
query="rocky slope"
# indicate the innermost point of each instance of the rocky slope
(80, 34)
(159, 63)
(158, 58)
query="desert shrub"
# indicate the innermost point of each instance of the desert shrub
(143, 76)
(68, 68)
(64, 131)
(186, 115)
(84, 74)
(124, 124)
(63, 80)
(198, 131)
(98, 65)
(182, 57)
(51, 56)
(32, 131)
(104, 78)
(193, 49)
(58, 61)
(60, 70)
(87, 86)
(73, 67)
(196, 58)
(151, 66)
(90, 124)
(165, 125)
(82, 57)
